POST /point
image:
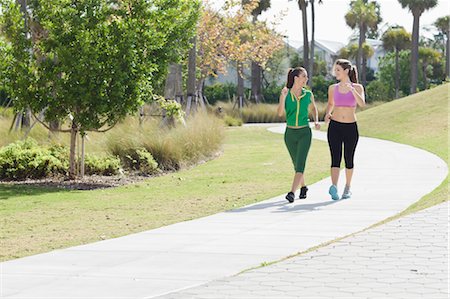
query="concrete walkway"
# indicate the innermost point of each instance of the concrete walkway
(405, 258)
(388, 178)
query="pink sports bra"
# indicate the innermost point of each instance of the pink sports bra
(343, 99)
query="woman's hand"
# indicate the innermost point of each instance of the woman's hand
(317, 126)
(327, 118)
(284, 92)
(350, 86)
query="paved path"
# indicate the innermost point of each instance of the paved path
(405, 258)
(191, 253)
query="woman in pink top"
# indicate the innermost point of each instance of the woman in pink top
(343, 130)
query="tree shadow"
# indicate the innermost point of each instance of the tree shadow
(12, 191)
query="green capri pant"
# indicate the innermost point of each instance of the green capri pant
(298, 142)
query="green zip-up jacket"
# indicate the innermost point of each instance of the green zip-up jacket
(297, 108)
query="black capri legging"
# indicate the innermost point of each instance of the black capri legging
(342, 133)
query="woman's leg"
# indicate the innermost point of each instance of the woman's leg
(303, 146)
(335, 145)
(298, 178)
(350, 142)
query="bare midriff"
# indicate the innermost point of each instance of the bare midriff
(344, 114)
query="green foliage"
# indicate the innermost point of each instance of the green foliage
(378, 91)
(272, 93)
(320, 88)
(418, 6)
(396, 38)
(232, 121)
(93, 60)
(386, 73)
(29, 160)
(136, 158)
(25, 159)
(219, 92)
(101, 165)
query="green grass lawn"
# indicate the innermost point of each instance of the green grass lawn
(254, 166)
(420, 120)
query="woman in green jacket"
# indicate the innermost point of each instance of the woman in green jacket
(294, 102)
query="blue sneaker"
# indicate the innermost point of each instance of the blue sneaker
(347, 193)
(333, 192)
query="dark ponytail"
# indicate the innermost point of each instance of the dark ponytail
(353, 74)
(292, 73)
(347, 65)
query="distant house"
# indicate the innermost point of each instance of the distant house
(379, 52)
(325, 50)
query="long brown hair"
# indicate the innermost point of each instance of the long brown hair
(292, 73)
(347, 65)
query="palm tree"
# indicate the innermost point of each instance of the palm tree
(313, 31)
(417, 8)
(428, 56)
(352, 51)
(302, 5)
(443, 25)
(256, 93)
(396, 39)
(363, 15)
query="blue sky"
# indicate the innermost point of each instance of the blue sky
(330, 22)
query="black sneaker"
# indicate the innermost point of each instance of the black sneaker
(290, 197)
(303, 191)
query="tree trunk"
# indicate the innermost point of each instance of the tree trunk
(240, 85)
(313, 32)
(256, 83)
(173, 86)
(73, 143)
(447, 56)
(302, 4)
(26, 117)
(425, 79)
(359, 57)
(415, 51)
(191, 82)
(397, 73)
(82, 156)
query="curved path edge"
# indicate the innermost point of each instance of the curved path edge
(388, 178)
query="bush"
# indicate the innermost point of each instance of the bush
(320, 88)
(232, 121)
(25, 159)
(377, 91)
(101, 165)
(137, 158)
(219, 92)
(272, 93)
(28, 160)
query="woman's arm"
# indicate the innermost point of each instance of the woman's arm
(358, 92)
(283, 94)
(316, 113)
(330, 105)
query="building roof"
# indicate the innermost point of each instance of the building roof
(332, 47)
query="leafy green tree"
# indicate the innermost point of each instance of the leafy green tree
(94, 61)
(364, 15)
(417, 8)
(443, 25)
(387, 73)
(428, 57)
(396, 39)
